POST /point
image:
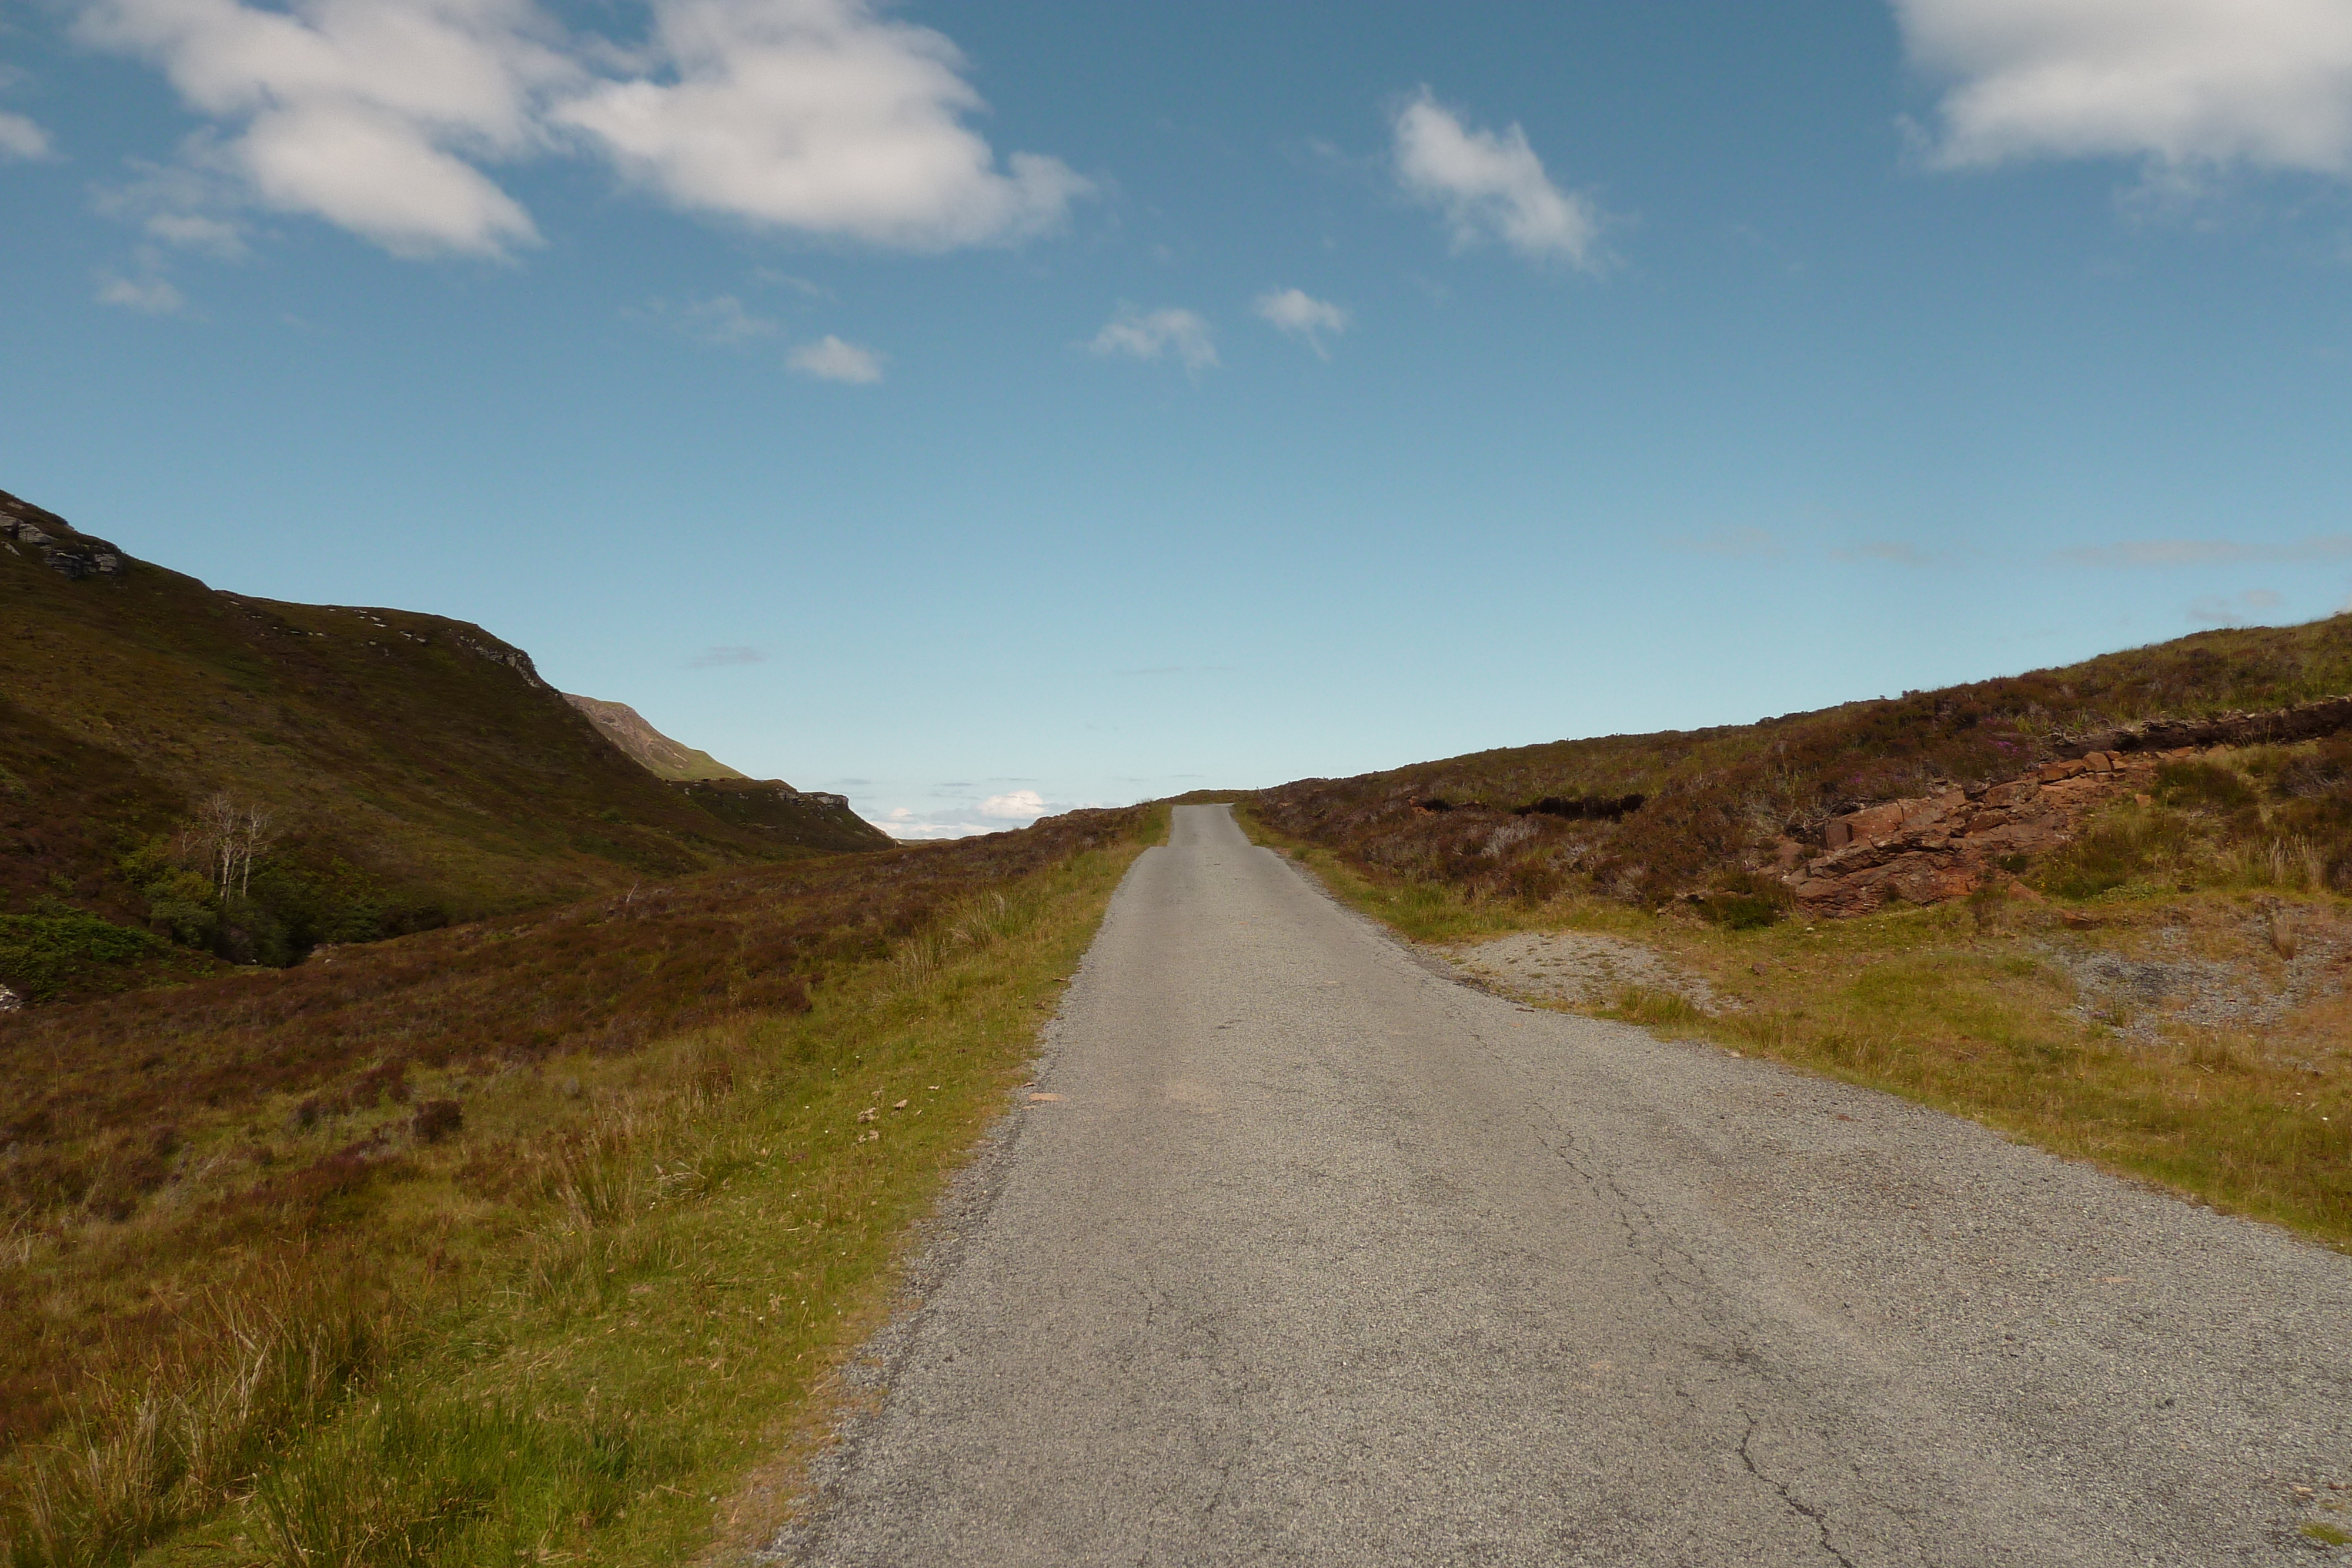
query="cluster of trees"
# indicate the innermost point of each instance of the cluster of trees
(218, 886)
(227, 837)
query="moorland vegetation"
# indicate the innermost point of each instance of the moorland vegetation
(1644, 819)
(2163, 989)
(400, 771)
(505, 1240)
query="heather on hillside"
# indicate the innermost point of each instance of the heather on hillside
(168, 1150)
(400, 771)
(1715, 804)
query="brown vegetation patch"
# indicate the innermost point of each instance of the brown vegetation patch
(267, 1109)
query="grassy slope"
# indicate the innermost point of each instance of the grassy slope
(599, 1305)
(414, 769)
(1719, 798)
(660, 755)
(1971, 1009)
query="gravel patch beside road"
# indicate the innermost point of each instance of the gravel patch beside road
(1580, 968)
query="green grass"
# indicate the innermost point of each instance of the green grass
(1960, 1009)
(62, 949)
(593, 1323)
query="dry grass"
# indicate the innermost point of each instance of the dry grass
(569, 1325)
(1973, 1010)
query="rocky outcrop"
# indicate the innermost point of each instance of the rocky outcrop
(514, 659)
(1944, 845)
(773, 809)
(2304, 721)
(69, 553)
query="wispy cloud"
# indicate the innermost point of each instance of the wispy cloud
(831, 359)
(189, 206)
(2181, 82)
(1736, 544)
(721, 320)
(1887, 552)
(1300, 314)
(21, 140)
(2233, 609)
(2206, 553)
(723, 658)
(153, 296)
(1153, 334)
(797, 284)
(1491, 186)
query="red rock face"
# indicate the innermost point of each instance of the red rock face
(1934, 847)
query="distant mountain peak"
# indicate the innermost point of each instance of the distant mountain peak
(625, 727)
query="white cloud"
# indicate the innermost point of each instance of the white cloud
(818, 116)
(363, 112)
(720, 319)
(1301, 314)
(155, 296)
(996, 814)
(21, 139)
(2206, 553)
(2184, 82)
(831, 359)
(2233, 609)
(1491, 187)
(379, 116)
(1150, 334)
(1022, 805)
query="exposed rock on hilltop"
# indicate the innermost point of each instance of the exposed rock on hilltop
(774, 810)
(625, 727)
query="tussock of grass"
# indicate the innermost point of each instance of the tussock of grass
(571, 1327)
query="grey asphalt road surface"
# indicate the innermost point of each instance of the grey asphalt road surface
(1322, 1258)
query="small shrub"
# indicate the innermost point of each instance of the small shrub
(1738, 911)
(436, 1120)
(2202, 785)
(2118, 851)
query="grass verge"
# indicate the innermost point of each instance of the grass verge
(1977, 1013)
(581, 1322)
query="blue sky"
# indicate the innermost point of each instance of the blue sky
(984, 409)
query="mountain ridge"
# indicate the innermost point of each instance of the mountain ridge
(412, 770)
(674, 760)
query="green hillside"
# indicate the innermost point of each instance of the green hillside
(407, 769)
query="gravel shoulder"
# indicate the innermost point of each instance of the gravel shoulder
(1576, 968)
(1320, 1256)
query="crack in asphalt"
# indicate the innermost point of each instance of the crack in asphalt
(1819, 1519)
